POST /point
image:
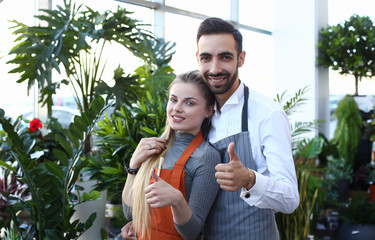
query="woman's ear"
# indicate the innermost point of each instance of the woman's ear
(210, 111)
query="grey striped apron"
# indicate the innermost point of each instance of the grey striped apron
(230, 216)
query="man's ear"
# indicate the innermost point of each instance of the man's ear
(241, 59)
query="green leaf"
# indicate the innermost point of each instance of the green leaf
(93, 195)
(110, 170)
(7, 166)
(97, 105)
(81, 122)
(73, 139)
(150, 131)
(61, 156)
(54, 169)
(90, 220)
(75, 131)
(65, 144)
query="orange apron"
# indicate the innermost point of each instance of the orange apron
(162, 227)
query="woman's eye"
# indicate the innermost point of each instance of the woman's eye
(190, 103)
(173, 100)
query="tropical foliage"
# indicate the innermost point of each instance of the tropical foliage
(51, 182)
(348, 131)
(64, 42)
(359, 210)
(290, 106)
(297, 224)
(119, 135)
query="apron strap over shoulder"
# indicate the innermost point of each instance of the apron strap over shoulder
(178, 168)
(244, 110)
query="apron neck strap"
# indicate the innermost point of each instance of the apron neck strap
(245, 127)
(178, 168)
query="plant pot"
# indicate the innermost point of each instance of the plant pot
(84, 210)
(349, 231)
(343, 188)
(372, 192)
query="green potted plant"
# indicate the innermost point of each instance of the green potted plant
(358, 218)
(304, 152)
(349, 48)
(348, 130)
(51, 182)
(338, 177)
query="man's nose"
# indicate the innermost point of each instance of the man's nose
(215, 67)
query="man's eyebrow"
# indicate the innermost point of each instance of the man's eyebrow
(205, 54)
(226, 53)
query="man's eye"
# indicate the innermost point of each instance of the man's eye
(204, 59)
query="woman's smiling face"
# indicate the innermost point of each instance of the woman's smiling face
(187, 108)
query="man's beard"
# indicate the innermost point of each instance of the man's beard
(222, 88)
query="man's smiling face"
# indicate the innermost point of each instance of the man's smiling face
(218, 62)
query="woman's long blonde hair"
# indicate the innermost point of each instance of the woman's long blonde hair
(141, 210)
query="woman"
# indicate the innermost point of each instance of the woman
(175, 204)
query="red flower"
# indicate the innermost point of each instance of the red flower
(35, 124)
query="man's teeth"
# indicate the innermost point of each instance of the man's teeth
(216, 79)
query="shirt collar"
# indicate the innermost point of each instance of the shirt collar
(234, 99)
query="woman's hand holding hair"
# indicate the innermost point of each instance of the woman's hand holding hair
(145, 149)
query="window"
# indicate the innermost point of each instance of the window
(185, 38)
(257, 14)
(13, 97)
(178, 28)
(257, 71)
(215, 8)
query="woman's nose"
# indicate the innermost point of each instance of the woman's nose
(178, 107)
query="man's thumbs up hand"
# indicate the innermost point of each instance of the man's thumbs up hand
(234, 175)
(232, 154)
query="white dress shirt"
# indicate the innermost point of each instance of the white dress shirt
(276, 185)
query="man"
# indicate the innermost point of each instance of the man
(253, 133)
(257, 176)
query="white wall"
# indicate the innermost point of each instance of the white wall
(295, 36)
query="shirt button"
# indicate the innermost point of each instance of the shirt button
(247, 195)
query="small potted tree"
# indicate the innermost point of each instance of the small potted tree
(349, 48)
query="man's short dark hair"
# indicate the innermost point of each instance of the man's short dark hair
(215, 25)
